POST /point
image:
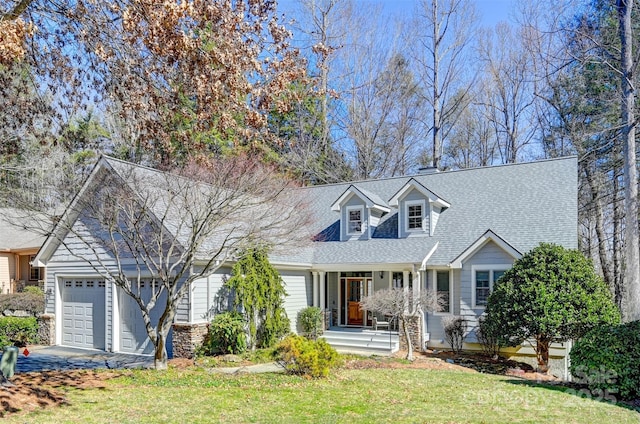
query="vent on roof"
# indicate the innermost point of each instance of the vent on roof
(428, 170)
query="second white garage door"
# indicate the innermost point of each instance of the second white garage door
(133, 334)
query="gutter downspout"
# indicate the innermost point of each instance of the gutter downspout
(423, 271)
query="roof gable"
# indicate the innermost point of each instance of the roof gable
(480, 242)
(371, 200)
(413, 184)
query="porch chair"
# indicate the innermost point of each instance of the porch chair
(377, 323)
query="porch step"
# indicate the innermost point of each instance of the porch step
(360, 341)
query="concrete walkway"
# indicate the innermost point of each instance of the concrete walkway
(42, 358)
(58, 358)
(251, 369)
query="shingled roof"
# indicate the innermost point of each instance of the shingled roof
(524, 204)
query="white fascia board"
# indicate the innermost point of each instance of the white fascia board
(69, 215)
(353, 191)
(411, 184)
(479, 243)
(423, 266)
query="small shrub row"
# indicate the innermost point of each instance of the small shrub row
(312, 358)
(30, 301)
(18, 331)
(606, 359)
(227, 334)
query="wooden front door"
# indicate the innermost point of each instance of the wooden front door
(355, 287)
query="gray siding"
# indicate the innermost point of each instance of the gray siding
(434, 321)
(298, 288)
(489, 254)
(413, 195)
(353, 202)
(208, 296)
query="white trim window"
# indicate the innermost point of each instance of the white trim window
(443, 290)
(415, 211)
(35, 273)
(355, 220)
(484, 278)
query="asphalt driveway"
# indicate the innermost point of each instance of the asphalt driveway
(43, 358)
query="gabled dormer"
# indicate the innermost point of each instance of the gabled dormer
(360, 213)
(418, 209)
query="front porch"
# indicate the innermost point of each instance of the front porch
(362, 341)
(350, 329)
(338, 293)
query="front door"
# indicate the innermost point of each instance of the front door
(355, 287)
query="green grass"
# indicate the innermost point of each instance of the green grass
(368, 396)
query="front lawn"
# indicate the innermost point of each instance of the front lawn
(197, 395)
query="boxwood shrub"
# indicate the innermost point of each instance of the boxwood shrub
(227, 334)
(18, 331)
(310, 320)
(607, 358)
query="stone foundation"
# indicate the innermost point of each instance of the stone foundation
(47, 329)
(187, 338)
(326, 319)
(415, 332)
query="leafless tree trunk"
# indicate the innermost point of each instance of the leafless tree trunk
(511, 98)
(631, 311)
(444, 30)
(131, 224)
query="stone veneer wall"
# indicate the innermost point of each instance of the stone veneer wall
(187, 338)
(47, 329)
(326, 319)
(415, 332)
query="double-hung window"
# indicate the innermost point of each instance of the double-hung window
(484, 279)
(415, 211)
(354, 220)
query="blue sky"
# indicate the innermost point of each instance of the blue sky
(490, 11)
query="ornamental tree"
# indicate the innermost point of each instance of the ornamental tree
(551, 294)
(404, 305)
(259, 293)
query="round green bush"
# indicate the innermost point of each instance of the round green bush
(227, 334)
(310, 320)
(606, 359)
(18, 331)
(307, 357)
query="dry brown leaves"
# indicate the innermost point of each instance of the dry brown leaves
(12, 37)
(30, 391)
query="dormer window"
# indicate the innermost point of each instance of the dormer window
(418, 209)
(415, 215)
(354, 220)
(360, 213)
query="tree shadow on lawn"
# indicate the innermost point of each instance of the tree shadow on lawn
(580, 391)
(33, 390)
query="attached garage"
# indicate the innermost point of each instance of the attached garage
(84, 314)
(133, 334)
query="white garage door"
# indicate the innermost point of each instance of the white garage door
(133, 334)
(83, 314)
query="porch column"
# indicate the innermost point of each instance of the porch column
(405, 287)
(314, 288)
(323, 300)
(417, 282)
